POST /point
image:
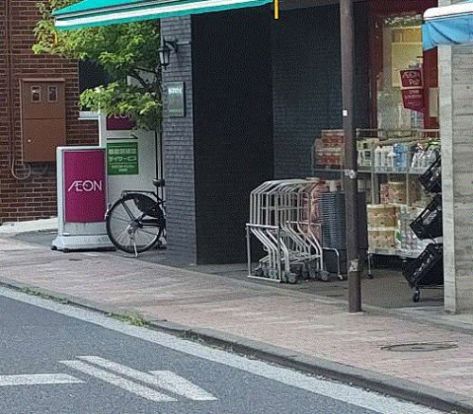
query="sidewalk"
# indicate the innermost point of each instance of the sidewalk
(298, 326)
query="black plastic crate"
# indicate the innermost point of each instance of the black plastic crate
(427, 269)
(429, 224)
(431, 180)
(333, 221)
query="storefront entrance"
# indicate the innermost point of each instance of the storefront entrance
(259, 98)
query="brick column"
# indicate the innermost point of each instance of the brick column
(178, 148)
(456, 125)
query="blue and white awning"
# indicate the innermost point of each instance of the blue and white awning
(449, 25)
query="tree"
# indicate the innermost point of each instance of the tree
(127, 53)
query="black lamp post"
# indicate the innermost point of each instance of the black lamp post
(167, 47)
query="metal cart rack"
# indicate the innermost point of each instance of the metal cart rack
(283, 218)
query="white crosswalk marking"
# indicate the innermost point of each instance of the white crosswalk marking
(130, 386)
(37, 379)
(162, 379)
(172, 382)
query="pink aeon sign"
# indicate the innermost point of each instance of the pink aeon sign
(119, 123)
(84, 186)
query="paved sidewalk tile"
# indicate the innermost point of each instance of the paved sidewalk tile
(292, 320)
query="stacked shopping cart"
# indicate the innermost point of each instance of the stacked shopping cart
(284, 217)
(427, 270)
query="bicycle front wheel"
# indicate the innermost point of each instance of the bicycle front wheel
(131, 229)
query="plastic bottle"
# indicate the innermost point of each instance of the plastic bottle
(390, 158)
(377, 157)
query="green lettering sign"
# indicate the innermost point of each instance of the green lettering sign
(122, 158)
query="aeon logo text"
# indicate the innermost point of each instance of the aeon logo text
(86, 186)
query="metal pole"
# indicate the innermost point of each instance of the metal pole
(351, 184)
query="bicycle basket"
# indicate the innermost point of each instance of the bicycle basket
(147, 205)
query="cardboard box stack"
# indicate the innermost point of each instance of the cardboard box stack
(383, 225)
(329, 148)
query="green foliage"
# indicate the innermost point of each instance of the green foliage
(127, 52)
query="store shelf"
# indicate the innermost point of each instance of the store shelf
(394, 172)
(383, 252)
(388, 174)
(409, 254)
(339, 171)
(368, 170)
(404, 254)
(328, 170)
(364, 170)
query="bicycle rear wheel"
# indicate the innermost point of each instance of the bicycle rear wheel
(132, 228)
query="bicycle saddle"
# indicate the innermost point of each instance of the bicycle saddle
(158, 183)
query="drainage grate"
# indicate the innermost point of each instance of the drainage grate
(420, 347)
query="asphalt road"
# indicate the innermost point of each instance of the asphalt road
(60, 359)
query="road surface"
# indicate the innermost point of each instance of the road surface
(61, 359)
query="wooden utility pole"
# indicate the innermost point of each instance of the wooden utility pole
(347, 32)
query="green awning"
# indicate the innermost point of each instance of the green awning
(92, 13)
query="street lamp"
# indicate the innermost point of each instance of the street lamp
(165, 50)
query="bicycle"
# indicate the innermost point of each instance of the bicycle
(136, 222)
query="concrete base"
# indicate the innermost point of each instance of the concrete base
(76, 243)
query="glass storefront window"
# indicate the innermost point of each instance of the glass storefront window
(400, 40)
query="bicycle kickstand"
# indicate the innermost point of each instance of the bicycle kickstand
(134, 245)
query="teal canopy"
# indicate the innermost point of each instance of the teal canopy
(92, 13)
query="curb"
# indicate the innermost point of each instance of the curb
(384, 384)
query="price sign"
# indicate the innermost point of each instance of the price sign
(413, 99)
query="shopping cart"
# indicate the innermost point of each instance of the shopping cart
(283, 218)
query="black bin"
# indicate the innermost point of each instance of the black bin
(427, 269)
(431, 180)
(429, 224)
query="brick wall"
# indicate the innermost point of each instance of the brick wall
(178, 148)
(35, 196)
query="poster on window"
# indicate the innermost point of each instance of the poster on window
(411, 78)
(413, 99)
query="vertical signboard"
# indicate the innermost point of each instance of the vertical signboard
(176, 99)
(122, 158)
(84, 186)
